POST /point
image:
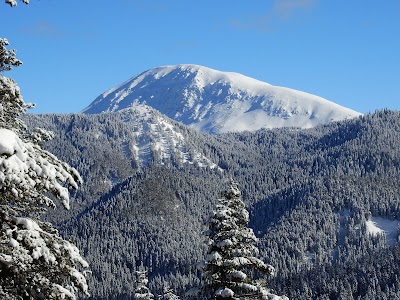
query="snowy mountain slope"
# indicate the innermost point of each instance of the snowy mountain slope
(131, 139)
(316, 203)
(217, 102)
(156, 138)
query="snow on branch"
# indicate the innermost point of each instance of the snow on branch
(7, 57)
(14, 2)
(35, 261)
(34, 257)
(29, 172)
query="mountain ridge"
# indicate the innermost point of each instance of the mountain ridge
(215, 102)
(311, 196)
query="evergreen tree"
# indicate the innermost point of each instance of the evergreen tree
(168, 294)
(142, 292)
(7, 57)
(35, 261)
(231, 263)
(12, 104)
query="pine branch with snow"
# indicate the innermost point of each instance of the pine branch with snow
(14, 2)
(7, 56)
(12, 105)
(35, 261)
(28, 173)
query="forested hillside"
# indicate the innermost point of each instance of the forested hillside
(323, 201)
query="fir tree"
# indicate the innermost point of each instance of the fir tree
(35, 261)
(168, 294)
(142, 292)
(231, 264)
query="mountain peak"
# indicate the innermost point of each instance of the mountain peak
(216, 102)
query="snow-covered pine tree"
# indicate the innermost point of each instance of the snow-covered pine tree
(168, 294)
(142, 292)
(231, 262)
(35, 261)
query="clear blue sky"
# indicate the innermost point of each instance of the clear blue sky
(347, 51)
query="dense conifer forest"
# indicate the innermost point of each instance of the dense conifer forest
(318, 199)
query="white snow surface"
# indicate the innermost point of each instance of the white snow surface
(8, 142)
(225, 293)
(217, 102)
(378, 225)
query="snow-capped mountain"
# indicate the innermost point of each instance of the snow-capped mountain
(217, 102)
